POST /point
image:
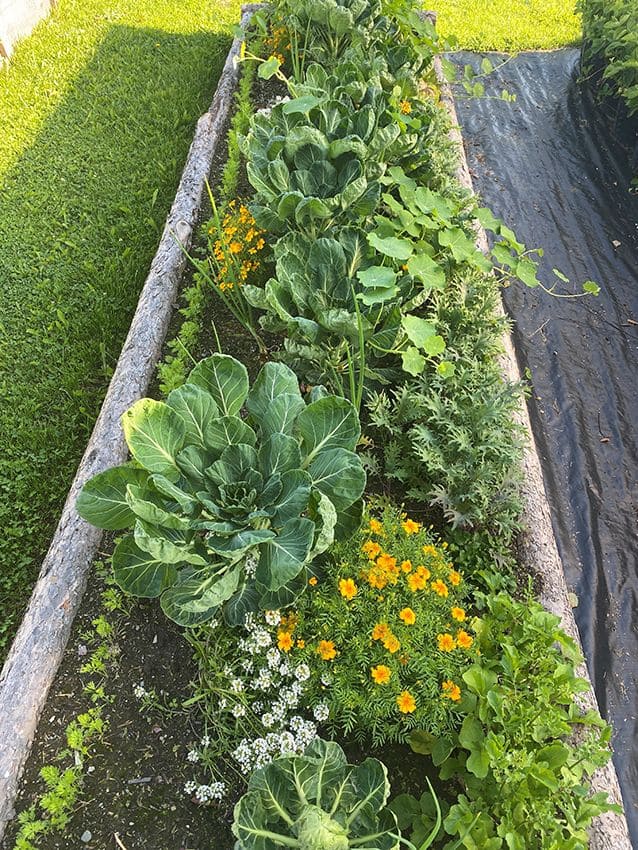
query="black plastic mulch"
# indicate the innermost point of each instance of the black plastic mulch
(553, 168)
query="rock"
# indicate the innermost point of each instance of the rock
(86, 836)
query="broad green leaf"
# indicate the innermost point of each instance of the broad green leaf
(418, 330)
(231, 546)
(349, 520)
(234, 464)
(301, 104)
(281, 414)
(268, 68)
(273, 380)
(591, 287)
(146, 504)
(196, 599)
(392, 246)
(377, 276)
(166, 545)
(155, 433)
(471, 734)
(283, 558)
(422, 741)
(278, 454)
(446, 369)
(102, 501)
(225, 378)
(425, 269)
(478, 762)
(228, 431)
(461, 245)
(328, 423)
(479, 680)
(196, 407)
(413, 361)
(487, 218)
(139, 573)
(434, 345)
(525, 270)
(294, 496)
(339, 475)
(244, 601)
(324, 515)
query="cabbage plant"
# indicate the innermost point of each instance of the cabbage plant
(229, 509)
(317, 801)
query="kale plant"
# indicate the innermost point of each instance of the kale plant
(225, 509)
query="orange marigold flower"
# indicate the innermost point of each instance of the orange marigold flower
(440, 587)
(416, 582)
(380, 631)
(446, 642)
(386, 562)
(312, 581)
(347, 588)
(235, 247)
(455, 578)
(458, 614)
(406, 702)
(392, 643)
(451, 691)
(405, 107)
(463, 639)
(423, 572)
(380, 674)
(408, 616)
(284, 641)
(371, 549)
(376, 527)
(301, 643)
(411, 527)
(406, 566)
(430, 550)
(326, 649)
(377, 578)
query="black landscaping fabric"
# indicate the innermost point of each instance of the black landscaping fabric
(552, 167)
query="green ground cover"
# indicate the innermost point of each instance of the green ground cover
(97, 110)
(511, 26)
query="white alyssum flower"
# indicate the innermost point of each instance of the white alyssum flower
(237, 686)
(205, 742)
(267, 720)
(193, 756)
(321, 712)
(273, 618)
(273, 657)
(239, 710)
(302, 672)
(139, 691)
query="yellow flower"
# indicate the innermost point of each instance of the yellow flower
(464, 640)
(405, 107)
(347, 588)
(451, 691)
(455, 578)
(386, 562)
(326, 650)
(429, 550)
(446, 642)
(371, 549)
(312, 581)
(391, 643)
(423, 572)
(458, 614)
(406, 566)
(376, 527)
(439, 587)
(406, 702)
(284, 641)
(416, 582)
(411, 527)
(408, 616)
(380, 674)
(301, 643)
(380, 631)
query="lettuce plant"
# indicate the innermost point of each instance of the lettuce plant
(316, 802)
(225, 509)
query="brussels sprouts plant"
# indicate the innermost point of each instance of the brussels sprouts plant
(317, 801)
(228, 509)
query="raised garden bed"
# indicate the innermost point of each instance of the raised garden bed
(425, 288)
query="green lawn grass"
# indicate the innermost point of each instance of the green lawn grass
(97, 110)
(509, 25)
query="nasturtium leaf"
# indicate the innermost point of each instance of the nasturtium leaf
(377, 276)
(391, 246)
(139, 573)
(591, 287)
(268, 68)
(413, 361)
(155, 433)
(418, 330)
(434, 345)
(425, 269)
(460, 244)
(525, 270)
(225, 378)
(488, 220)
(486, 65)
(103, 501)
(446, 369)
(560, 275)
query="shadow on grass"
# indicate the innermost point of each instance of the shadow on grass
(81, 213)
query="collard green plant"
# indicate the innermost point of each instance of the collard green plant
(228, 510)
(316, 801)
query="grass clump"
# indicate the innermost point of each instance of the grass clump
(97, 109)
(509, 26)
